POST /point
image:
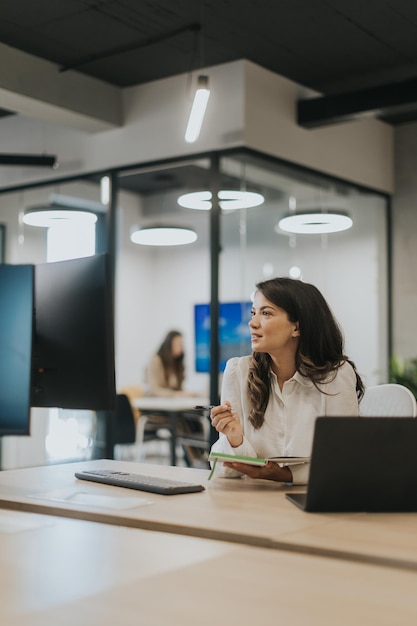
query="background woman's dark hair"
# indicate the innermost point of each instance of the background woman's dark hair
(320, 347)
(172, 364)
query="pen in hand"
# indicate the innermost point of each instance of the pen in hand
(204, 408)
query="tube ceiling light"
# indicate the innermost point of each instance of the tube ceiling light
(314, 222)
(163, 235)
(198, 110)
(228, 200)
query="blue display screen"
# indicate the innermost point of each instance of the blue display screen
(234, 333)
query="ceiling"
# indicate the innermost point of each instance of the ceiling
(365, 50)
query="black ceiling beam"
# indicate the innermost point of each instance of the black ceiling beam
(381, 101)
(34, 160)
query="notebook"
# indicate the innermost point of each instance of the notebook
(251, 460)
(362, 464)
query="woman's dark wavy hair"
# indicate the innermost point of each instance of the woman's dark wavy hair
(172, 365)
(320, 347)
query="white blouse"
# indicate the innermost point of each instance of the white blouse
(290, 416)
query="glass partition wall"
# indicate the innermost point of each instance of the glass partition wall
(56, 434)
(349, 267)
(160, 288)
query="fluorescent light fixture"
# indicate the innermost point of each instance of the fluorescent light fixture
(163, 235)
(105, 190)
(198, 110)
(228, 200)
(314, 223)
(47, 217)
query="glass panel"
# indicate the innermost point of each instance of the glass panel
(55, 434)
(349, 267)
(163, 288)
(158, 287)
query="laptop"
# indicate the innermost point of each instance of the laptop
(366, 464)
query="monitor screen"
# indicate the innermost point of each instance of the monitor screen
(234, 334)
(16, 314)
(73, 349)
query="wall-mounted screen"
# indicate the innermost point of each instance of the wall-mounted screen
(234, 333)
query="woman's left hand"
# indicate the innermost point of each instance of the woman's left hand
(270, 471)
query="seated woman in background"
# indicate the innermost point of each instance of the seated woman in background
(296, 372)
(165, 377)
(166, 370)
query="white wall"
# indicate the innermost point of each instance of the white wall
(248, 106)
(359, 151)
(155, 117)
(404, 243)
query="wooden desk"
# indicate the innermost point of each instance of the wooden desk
(171, 408)
(60, 571)
(234, 510)
(166, 404)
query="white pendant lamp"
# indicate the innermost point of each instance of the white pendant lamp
(228, 200)
(162, 235)
(50, 216)
(62, 209)
(314, 222)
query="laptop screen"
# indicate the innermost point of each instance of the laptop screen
(363, 464)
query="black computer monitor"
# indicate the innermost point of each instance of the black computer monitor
(16, 322)
(73, 348)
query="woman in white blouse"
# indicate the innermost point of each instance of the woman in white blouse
(297, 372)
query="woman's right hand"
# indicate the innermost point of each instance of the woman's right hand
(225, 420)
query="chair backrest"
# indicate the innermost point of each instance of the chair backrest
(125, 426)
(388, 400)
(133, 391)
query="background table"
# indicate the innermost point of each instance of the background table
(173, 408)
(234, 510)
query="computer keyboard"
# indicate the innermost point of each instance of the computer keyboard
(141, 482)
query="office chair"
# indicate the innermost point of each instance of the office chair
(388, 400)
(124, 429)
(193, 431)
(147, 426)
(132, 430)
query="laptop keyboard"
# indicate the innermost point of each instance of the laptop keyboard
(152, 484)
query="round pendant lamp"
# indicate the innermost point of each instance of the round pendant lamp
(49, 216)
(314, 222)
(163, 236)
(228, 200)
